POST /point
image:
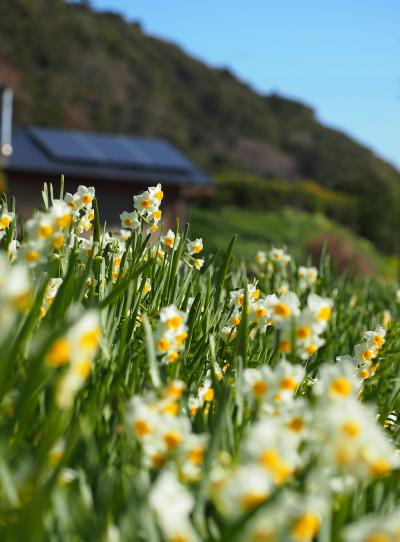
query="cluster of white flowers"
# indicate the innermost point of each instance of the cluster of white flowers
(76, 350)
(274, 256)
(6, 218)
(171, 241)
(375, 528)
(81, 204)
(165, 433)
(299, 330)
(366, 352)
(146, 208)
(16, 292)
(353, 442)
(49, 295)
(171, 333)
(336, 433)
(172, 504)
(307, 276)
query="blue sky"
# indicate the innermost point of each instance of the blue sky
(340, 56)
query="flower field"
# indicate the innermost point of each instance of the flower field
(149, 392)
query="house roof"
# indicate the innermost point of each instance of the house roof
(102, 156)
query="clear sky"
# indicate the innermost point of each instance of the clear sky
(340, 56)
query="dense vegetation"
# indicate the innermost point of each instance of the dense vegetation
(149, 393)
(73, 67)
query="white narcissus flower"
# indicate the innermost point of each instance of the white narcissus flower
(241, 490)
(5, 219)
(321, 308)
(129, 221)
(156, 193)
(194, 247)
(374, 528)
(61, 213)
(168, 239)
(337, 382)
(285, 308)
(86, 195)
(261, 257)
(73, 201)
(144, 203)
(172, 504)
(76, 349)
(198, 263)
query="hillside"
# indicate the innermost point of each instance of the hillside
(74, 67)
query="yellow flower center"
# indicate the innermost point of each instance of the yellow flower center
(146, 288)
(235, 321)
(45, 231)
(209, 395)
(90, 340)
(341, 386)
(128, 222)
(351, 429)
(251, 499)
(269, 458)
(159, 195)
(174, 390)
(306, 526)
(181, 337)
(163, 345)
(296, 424)
(4, 222)
(64, 221)
(281, 309)
(174, 322)
(197, 249)
(324, 313)
(172, 357)
(172, 439)
(259, 388)
(157, 214)
(158, 460)
(171, 408)
(364, 373)
(367, 355)
(260, 312)
(311, 349)
(145, 204)
(378, 537)
(378, 340)
(380, 467)
(303, 332)
(256, 294)
(141, 427)
(59, 353)
(285, 346)
(32, 256)
(86, 199)
(196, 456)
(288, 383)
(83, 368)
(58, 242)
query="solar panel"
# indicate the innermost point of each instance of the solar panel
(107, 150)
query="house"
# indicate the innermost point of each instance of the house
(118, 166)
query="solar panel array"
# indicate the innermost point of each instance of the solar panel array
(109, 150)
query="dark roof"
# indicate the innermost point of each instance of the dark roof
(102, 156)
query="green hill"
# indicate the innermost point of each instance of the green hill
(73, 67)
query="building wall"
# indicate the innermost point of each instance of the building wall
(113, 196)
